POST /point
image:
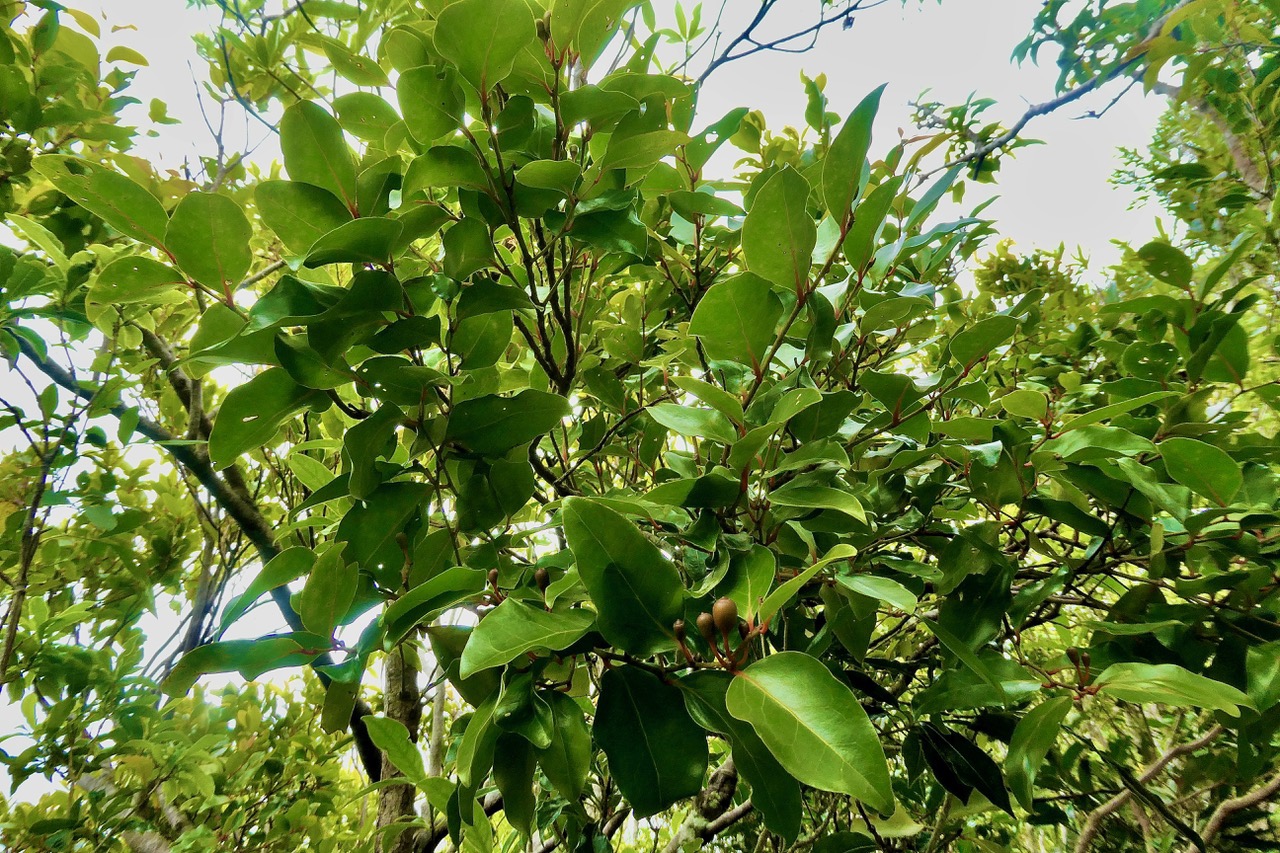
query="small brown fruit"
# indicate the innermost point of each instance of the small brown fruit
(541, 578)
(707, 627)
(493, 578)
(725, 614)
(677, 628)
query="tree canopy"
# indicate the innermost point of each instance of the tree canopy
(621, 476)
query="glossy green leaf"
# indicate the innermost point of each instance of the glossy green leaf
(736, 320)
(392, 738)
(122, 204)
(842, 167)
(368, 240)
(781, 596)
(253, 412)
(492, 425)
(1169, 684)
(814, 726)
(299, 213)
(1032, 739)
(636, 591)
(773, 790)
(431, 598)
(135, 279)
(364, 115)
(431, 101)
(328, 593)
(482, 38)
(514, 628)
(567, 761)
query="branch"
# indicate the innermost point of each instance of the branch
(1229, 807)
(713, 814)
(1098, 815)
(237, 504)
(980, 153)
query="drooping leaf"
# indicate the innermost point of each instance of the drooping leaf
(253, 412)
(492, 425)
(299, 213)
(1032, 739)
(657, 753)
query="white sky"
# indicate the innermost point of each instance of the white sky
(1050, 194)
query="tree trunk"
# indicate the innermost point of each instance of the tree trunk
(403, 703)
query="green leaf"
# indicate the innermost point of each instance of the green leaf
(134, 279)
(842, 167)
(868, 221)
(253, 412)
(780, 597)
(717, 398)
(392, 738)
(818, 497)
(369, 240)
(1204, 469)
(1026, 403)
(299, 213)
(773, 790)
(884, 589)
(973, 344)
(641, 150)
(749, 579)
(514, 628)
(1169, 684)
(492, 425)
(1106, 413)
(355, 67)
(636, 591)
(250, 658)
(482, 38)
(289, 565)
(122, 204)
(1166, 263)
(513, 768)
(429, 599)
(468, 248)
(567, 761)
(736, 320)
(657, 753)
(328, 593)
(475, 749)
(431, 101)
(315, 151)
(778, 234)
(1032, 740)
(694, 423)
(814, 726)
(208, 237)
(365, 116)
(957, 647)
(559, 175)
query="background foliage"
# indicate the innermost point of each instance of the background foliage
(612, 497)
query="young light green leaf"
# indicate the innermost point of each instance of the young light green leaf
(1169, 684)
(482, 38)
